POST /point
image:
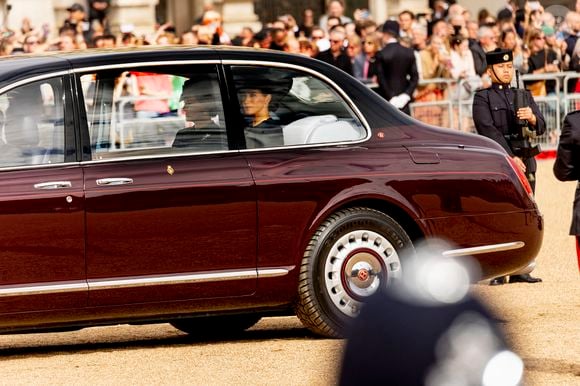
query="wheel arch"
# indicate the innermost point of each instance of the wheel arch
(406, 217)
(410, 225)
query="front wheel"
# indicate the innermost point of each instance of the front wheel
(351, 256)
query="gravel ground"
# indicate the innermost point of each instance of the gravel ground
(541, 320)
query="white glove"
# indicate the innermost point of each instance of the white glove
(400, 100)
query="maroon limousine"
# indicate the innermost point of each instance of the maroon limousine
(208, 187)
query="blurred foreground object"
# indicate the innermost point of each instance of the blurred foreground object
(428, 330)
(567, 167)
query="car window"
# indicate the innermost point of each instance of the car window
(283, 107)
(150, 111)
(32, 119)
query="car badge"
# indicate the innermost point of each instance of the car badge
(170, 170)
(363, 275)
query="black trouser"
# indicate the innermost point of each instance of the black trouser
(531, 177)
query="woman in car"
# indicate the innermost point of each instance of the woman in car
(259, 97)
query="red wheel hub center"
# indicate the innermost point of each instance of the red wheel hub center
(363, 275)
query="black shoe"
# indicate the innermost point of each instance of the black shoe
(498, 280)
(526, 278)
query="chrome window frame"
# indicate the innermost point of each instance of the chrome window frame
(23, 82)
(226, 62)
(325, 79)
(86, 70)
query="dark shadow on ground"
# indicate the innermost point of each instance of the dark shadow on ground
(181, 339)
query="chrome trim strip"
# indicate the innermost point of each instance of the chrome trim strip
(186, 279)
(272, 272)
(484, 249)
(143, 64)
(171, 279)
(43, 289)
(33, 79)
(169, 154)
(140, 281)
(39, 166)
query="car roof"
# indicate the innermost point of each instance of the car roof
(15, 68)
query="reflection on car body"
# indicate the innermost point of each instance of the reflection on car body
(115, 212)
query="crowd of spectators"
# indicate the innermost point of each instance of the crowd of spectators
(447, 41)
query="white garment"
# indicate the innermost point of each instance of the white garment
(462, 64)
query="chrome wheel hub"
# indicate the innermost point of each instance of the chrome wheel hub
(357, 265)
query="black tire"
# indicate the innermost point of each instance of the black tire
(339, 243)
(214, 326)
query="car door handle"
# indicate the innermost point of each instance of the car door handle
(114, 181)
(53, 185)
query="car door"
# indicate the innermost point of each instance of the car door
(42, 265)
(170, 210)
(299, 158)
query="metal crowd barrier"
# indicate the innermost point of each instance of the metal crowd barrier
(148, 132)
(437, 108)
(455, 110)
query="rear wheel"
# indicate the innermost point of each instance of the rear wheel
(351, 256)
(212, 326)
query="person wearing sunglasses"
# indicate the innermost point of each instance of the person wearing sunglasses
(336, 54)
(365, 64)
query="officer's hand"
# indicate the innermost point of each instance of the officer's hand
(520, 163)
(527, 114)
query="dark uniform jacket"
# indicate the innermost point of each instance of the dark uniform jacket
(479, 62)
(494, 114)
(397, 70)
(342, 61)
(567, 166)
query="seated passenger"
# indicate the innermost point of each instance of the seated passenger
(259, 96)
(201, 105)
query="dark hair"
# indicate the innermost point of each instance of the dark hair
(455, 40)
(127, 36)
(336, 1)
(334, 18)
(262, 34)
(505, 33)
(406, 11)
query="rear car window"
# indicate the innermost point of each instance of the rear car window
(32, 118)
(285, 107)
(150, 111)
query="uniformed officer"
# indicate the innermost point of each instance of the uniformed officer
(495, 117)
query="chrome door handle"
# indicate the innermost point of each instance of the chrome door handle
(114, 181)
(53, 185)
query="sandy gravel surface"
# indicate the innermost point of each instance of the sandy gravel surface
(542, 321)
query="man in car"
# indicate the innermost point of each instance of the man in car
(495, 117)
(200, 99)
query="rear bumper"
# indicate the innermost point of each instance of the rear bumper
(501, 243)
